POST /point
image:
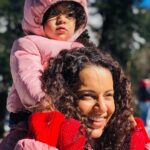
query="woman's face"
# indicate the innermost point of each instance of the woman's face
(96, 98)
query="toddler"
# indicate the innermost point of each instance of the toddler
(50, 26)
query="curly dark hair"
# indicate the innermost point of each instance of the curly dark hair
(61, 81)
(72, 6)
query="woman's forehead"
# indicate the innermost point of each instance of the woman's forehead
(96, 76)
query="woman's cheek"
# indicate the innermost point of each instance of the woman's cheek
(85, 106)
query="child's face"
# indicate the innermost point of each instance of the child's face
(60, 24)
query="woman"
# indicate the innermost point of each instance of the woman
(89, 87)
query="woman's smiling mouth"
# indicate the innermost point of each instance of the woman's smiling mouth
(97, 122)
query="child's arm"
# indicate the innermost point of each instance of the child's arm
(32, 144)
(26, 69)
(27, 66)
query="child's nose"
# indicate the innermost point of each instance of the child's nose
(61, 19)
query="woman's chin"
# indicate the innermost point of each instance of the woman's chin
(95, 133)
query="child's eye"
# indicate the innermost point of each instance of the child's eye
(70, 15)
(53, 14)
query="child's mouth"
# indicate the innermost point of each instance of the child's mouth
(61, 29)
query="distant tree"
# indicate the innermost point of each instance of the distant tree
(119, 23)
(144, 24)
(125, 32)
(10, 29)
(139, 65)
(10, 19)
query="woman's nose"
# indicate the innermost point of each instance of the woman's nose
(101, 105)
(61, 19)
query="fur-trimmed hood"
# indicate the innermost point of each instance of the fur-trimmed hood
(33, 15)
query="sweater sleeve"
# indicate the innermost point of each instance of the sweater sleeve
(139, 138)
(45, 126)
(71, 136)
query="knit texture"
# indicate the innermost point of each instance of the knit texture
(51, 128)
(71, 136)
(45, 126)
(139, 138)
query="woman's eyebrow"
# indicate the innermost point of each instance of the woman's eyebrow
(110, 91)
(85, 91)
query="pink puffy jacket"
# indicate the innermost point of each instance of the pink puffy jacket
(31, 144)
(30, 54)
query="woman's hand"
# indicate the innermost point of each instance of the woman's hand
(133, 122)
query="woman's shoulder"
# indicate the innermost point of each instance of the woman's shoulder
(139, 137)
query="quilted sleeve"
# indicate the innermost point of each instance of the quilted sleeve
(31, 144)
(26, 69)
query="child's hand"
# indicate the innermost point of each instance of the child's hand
(76, 44)
(147, 146)
(44, 105)
(131, 118)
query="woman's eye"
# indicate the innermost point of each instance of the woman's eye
(88, 97)
(109, 95)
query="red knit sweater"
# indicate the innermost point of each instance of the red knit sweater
(139, 137)
(52, 128)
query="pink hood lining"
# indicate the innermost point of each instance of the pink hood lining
(33, 14)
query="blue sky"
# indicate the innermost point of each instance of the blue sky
(145, 4)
